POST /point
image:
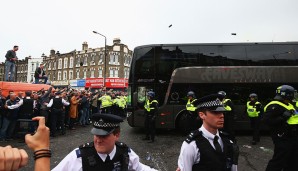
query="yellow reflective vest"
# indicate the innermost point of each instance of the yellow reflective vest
(106, 101)
(147, 105)
(190, 106)
(227, 107)
(293, 120)
(252, 110)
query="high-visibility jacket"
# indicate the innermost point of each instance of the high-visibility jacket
(252, 109)
(148, 107)
(227, 107)
(106, 101)
(293, 120)
(120, 102)
(190, 106)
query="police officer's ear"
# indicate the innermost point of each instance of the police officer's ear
(202, 115)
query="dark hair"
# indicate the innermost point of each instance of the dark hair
(116, 130)
(28, 93)
(15, 46)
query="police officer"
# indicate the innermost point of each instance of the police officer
(105, 152)
(151, 109)
(194, 122)
(254, 111)
(280, 115)
(106, 103)
(190, 102)
(56, 104)
(228, 115)
(207, 148)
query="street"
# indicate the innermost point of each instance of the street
(162, 155)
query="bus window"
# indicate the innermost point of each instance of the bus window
(144, 64)
(285, 55)
(211, 56)
(234, 55)
(141, 94)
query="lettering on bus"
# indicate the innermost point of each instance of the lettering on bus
(242, 74)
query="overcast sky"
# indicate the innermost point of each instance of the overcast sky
(38, 26)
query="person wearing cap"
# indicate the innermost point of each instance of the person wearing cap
(56, 104)
(282, 119)
(105, 152)
(207, 148)
(40, 74)
(254, 110)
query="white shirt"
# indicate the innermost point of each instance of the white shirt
(190, 153)
(72, 163)
(65, 103)
(20, 103)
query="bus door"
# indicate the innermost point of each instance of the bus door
(138, 101)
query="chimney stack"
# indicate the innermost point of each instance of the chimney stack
(85, 46)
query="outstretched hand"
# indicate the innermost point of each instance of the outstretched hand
(41, 139)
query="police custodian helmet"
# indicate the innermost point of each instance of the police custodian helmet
(285, 92)
(254, 95)
(211, 102)
(222, 93)
(191, 94)
(151, 94)
(105, 124)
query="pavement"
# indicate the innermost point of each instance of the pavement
(162, 155)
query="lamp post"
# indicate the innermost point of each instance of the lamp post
(105, 57)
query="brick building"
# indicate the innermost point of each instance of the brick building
(2, 70)
(88, 63)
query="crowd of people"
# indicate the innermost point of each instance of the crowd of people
(63, 109)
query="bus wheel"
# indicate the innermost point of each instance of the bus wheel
(186, 122)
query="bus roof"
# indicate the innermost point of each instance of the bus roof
(217, 44)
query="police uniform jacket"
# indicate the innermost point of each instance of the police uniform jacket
(57, 103)
(277, 123)
(190, 154)
(73, 161)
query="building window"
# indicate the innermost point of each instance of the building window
(126, 72)
(85, 61)
(60, 64)
(113, 72)
(64, 75)
(59, 75)
(111, 59)
(49, 67)
(78, 62)
(92, 74)
(32, 67)
(70, 75)
(100, 73)
(71, 62)
(114, 59)
(78, 74)
(100, 59)
(65, 62)
(85, 74)
(54, 67)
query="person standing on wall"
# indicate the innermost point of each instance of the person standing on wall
(10, 64)
(254, 111)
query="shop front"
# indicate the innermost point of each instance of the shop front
(77, 84)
